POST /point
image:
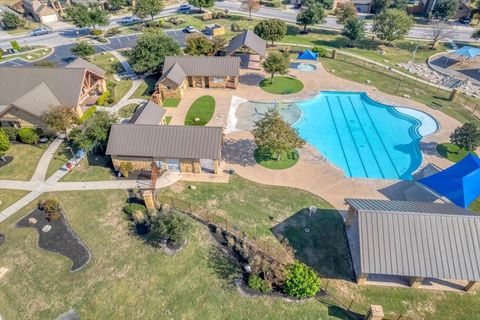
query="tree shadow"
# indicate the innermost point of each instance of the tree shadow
(239, 152)
(251, 79)
(223, 265)
(430, 148)
(341, 313)
(319, 241)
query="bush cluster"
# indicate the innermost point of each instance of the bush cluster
(133, 208)
(302, 281)
(11, 132)
(176, 20)
(96, 32)
(126, 168)
(257, 283)
(322, 52)
(87, 114)
(218, 15)
(105, 98)
(235, 27)
(28, 135)
(51, 207)
(113, 32)
(271, 3)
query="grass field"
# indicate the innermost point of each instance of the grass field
(171, 102)
(267, 160)
(8, 196)
(98, 168)
(127, 111)
(25, 159)
(451, 152)
(60, 157)
(203, 109)
(145, 90)
(281, 85)
(107, 62)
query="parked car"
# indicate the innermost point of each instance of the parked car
(40, 31)
(297, 6)
(189, 29)
(129, 20)
(184, 8)
(465, 20)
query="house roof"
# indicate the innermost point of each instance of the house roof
(174, 74)
(84, 64)
(190, 142)
(201, 66)
(34, 88)
(247, 39)
(151, 113)
(418, 239)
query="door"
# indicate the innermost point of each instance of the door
(173, 165)
(207, 165)
(207, 82)
(190, 82)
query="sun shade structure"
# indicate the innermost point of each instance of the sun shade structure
(308, 55)
(467, 52)
(247, 39)
(460, 183)
(416, 239)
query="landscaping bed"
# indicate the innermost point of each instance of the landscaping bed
(60, 238)
(281, 85)
(201, 111)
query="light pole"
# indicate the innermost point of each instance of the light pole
(415, 51)
(73, 155)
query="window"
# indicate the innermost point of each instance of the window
(169, 87)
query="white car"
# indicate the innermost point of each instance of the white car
(128, 20)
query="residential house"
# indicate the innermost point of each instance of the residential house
(28, 92)
(416, 243)
(426, 6)
(188, 149)
(181, 72)
(40, 11)
(249, 47)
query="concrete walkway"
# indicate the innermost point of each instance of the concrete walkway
(42, 166)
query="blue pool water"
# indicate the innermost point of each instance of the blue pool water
(364, 138)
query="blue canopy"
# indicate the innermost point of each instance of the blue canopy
(460, 183)
(308, 55)
(467, 51)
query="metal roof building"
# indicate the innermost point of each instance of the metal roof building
(151, 113)
(416, 240)
(249, 40)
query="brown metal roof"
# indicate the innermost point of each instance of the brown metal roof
(188, 142)
(174, 74)
(151, 113)
(38, 100)
(401, 239)
(204, 66)
(84, 64)
(250, 40)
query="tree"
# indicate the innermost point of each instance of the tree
(149, 53)
(198, 45)
(380, 5)
(325, 4)
(354, 30)
(466, 137)
(59, 118)
(271, 30)
(83, 16)
(117, 4)
(12, 21)
(274, 135)
(150, 8)
(345, 11)
(218, 43)
(399, 4)
(250, 6)
(312, 15)
(4, 144)
(444, 9)
(15, 45)
(82, 49)
(392, 24)
(439, 33)
(276, 62)
(202, 4)
(302, 281)
(172, 226)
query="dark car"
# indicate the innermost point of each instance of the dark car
(184, 8)
(465, 20)
(297, 6)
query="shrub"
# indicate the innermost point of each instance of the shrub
(87, 114)
(235, 27)
(154, 24)
(167, 25)
(132, 208)
(257, 283)
(11, 132)
(126, 168)
(302, 281)
(104, 98)
(172, 226)
(218, 15)
(322, 52)
(96, 32)
(113, 32)
(207, 16)
(28, 135)
(45, 64)
(51, 207)
(176, 21)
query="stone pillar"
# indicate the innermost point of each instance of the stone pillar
(216, 166)
(148, 199)
(350, 215)
(454, 95)
(375, 313)
(472, 286)
(197, 168)
(415, 282)
(103, 85)
(334, 54)
(362, 278)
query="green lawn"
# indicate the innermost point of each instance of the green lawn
(168, 119)
(145, 90)
(451, 152)
(61, 156)
(8, 197)
(437, 99)
(121, 89)
(267, 160)
(281, 85)
(24, 162)
(107, 62)
(203, 109)
(127, 111)
(171, 102)
(98, 168)
(32, 55)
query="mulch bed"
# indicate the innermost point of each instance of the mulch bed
(8, 159)
(59, 239)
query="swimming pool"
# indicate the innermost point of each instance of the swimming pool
(364, 138)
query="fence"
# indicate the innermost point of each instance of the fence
(355, 309)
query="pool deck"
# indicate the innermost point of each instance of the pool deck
(313, 173)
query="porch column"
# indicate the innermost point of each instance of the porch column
(102, 85)
(350, 215)
(375, 313)
(362, 278)
(216, 165)
(472, 286)
(415, 282)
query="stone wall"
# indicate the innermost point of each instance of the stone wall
(138, 164)
(24, 119)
